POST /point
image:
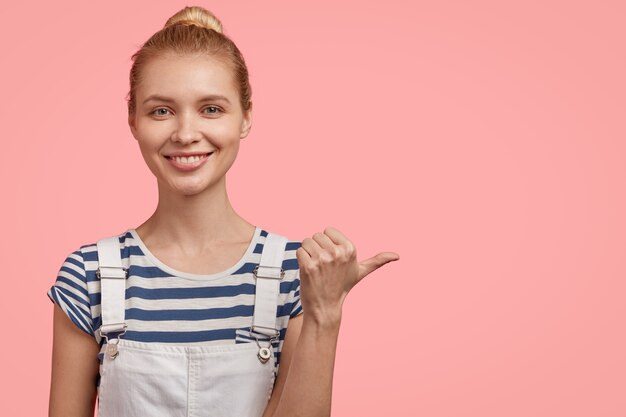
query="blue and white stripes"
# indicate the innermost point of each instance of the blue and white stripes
(163, 305)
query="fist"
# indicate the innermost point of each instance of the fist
(329, 269)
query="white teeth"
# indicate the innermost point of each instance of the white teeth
(188, 159)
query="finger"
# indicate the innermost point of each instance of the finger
(312, 247)
(302, 256)
(370, 265)
(301, 253)
(324, 241)
(336, 236)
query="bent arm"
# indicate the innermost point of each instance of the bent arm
(328, 271)
(74, 369)
(305, 377)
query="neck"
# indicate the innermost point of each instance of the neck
(195, 221)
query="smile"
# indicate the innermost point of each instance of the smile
(188, 163)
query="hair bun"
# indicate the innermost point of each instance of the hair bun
(197, 16)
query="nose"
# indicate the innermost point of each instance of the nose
(187, 129)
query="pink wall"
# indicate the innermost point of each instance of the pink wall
(483, 141)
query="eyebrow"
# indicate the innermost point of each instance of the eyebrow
(210, 97)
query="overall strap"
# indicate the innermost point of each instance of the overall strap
(112, 277)
(269, 273)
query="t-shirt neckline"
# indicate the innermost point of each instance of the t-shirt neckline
(188, 275)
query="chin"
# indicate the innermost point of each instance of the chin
(190, 191)
(190, 186)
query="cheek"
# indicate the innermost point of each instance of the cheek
(144, 148)
(150, 152)
(147, 155)
(148, 128)
(225, 135)
(152, 139)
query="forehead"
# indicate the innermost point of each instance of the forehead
(186, 76)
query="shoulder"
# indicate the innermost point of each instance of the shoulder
(89, 251)
(78, 260)
(289, 299)
(290, 262)
(290, 284)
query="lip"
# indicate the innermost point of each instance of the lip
(186, 154)
(188, 167)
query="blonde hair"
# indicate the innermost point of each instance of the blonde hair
(192, 30)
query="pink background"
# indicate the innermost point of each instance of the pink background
(483, 141)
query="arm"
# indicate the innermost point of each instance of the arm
(304, 388)
(305, 373)
(74, 369)
(328, 270)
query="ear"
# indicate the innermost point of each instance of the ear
(246, 123)
(131, 124)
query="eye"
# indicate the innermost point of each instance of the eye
(160, 111)
(217, 109)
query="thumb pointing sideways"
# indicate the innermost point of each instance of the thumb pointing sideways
(370, 265)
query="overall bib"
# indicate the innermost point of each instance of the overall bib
(175, 380)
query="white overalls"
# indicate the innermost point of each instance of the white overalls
(174, 380)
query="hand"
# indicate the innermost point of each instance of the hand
(329, 270)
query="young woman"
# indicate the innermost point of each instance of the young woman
(197, 312)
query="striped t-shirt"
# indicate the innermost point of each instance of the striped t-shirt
(164, 305)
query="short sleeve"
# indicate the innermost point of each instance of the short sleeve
(70, 292)
(294, 294)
